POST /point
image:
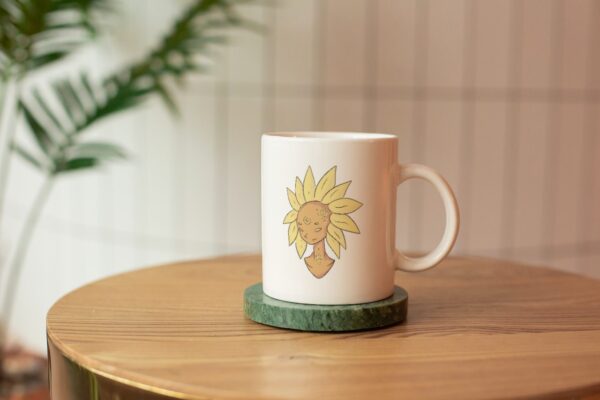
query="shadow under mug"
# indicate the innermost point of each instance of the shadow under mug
(329, 216)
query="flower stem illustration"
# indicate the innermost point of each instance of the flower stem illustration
(320, 214)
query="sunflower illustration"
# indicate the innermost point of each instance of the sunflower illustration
(320, 214)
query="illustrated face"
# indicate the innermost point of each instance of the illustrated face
(320, 216)
(313, 220)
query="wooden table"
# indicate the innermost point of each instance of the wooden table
(476, 328)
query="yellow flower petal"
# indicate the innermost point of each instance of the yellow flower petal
(300, 246)
(335, 246)
(336, 193)
(337, 234)
(299, 191)
(344, 206)
(344, 222)
(326, 183)
(309, 185)
(292, 233)
(293, 200)
(290, 217)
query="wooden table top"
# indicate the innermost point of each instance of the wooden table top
(476, 328)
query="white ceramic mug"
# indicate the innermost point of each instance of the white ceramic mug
(329, 216)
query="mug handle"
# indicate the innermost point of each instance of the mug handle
(431, 259)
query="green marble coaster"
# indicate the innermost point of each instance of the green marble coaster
(337, 318)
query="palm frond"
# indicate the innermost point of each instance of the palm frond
(98, 150)
(203, 25)
(55, 133)
(83, 101)
(27, 156)
(34, 33)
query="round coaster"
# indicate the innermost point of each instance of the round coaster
(324, 318)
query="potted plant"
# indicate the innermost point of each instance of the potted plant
(38, 33)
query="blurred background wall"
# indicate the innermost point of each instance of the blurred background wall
(501, 96)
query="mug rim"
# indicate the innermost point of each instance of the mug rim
(330, 136)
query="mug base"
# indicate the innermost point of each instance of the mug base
(324, 318)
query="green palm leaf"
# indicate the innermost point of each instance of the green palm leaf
(83, 101)
(57, 136)
(97, 150)
(27, 156)
(34, 33)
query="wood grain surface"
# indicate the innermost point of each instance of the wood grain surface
(476, 329)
